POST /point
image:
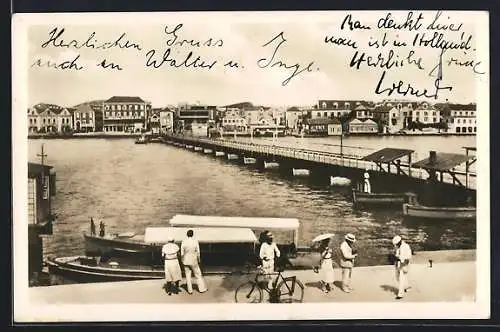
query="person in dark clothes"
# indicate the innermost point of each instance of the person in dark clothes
(92, 226)
(101, 229)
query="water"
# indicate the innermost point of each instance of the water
(134, 186)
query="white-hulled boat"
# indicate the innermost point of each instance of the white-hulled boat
(431, 212)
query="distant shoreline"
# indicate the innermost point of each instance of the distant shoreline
(135, 135)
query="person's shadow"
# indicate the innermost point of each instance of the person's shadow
(390, 289)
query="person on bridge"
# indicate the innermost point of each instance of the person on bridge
(92, 226)
(190, 253)
(268, 252)
(367, 187)
(348, 254)
(403, 256)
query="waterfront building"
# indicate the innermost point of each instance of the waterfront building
(294, 118)
(84, 118)
(363, 112)
(41, 189)
(425, 113)
(200, 114)
(34, 124)
(460, 118)
(125, 114)
(154, 121)
(323, 127)
(166, 120)
(341, 108)
(50, 119)
(368, 126)
(234, 120)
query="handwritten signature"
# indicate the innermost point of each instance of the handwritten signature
(407, 89)
(275, 61)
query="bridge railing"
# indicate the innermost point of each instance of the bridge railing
(345, 160)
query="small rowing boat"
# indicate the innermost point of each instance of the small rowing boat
(438, 212)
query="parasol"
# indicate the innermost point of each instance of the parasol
(323, 237)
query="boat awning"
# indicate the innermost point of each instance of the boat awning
(387, 155)
(202, 234)
(246, 222)
(444, 161)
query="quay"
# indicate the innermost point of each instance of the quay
(451, 278)
(390, 169)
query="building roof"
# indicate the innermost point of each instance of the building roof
(35, 168)
(341, 103)
(84, 108)
(383, 108)
(361, 108)
(387, 155)
(124, 99)
(444, 161)
(240, 105)
(322, 121)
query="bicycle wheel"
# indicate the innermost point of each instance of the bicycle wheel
(249, 292)
(290, 290)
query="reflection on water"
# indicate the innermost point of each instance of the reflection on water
(133, 186)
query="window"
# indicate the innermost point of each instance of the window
(112, 107)
(410, 106)
(474, 129)
(470, 129)
(318, 114)
(457, 130)
(142, 113)
(112, 113)
(325, 114)
(106, 113)
(141, 107)
(458, 120)
(417, 114)
(434, 120)
(323, 104)
(335, 105)
(135, 113)
(136, 107)
(118, 114)
(347, 105)
(425, 113)
(399, 106)
(425, 119)
(106, 107)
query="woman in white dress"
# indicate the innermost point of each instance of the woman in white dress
(326, 266)
(173, 273)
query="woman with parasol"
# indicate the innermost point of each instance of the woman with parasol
(326, 261)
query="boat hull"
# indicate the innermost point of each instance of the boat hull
(362, 198)
(96, 246)
(74, 269)
(428, 212)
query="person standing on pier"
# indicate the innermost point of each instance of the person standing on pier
(367, 187)
(403, 256)
(173, 274)
(348, 254)
(326, 265)
(190, 253)
(268, 252)
(102, 231)
(92, 226)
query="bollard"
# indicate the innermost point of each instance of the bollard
(430, 262)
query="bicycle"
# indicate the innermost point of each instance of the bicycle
(288, 289)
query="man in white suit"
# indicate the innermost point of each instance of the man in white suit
(190, 253)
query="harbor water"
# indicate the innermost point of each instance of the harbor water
(132, 186)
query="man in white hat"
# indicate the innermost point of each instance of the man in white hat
(348, 254)
(190, 253)
(367, 187)
(268, 252)
(403, 256)
(173, 274)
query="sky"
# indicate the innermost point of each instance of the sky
(244, 38)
